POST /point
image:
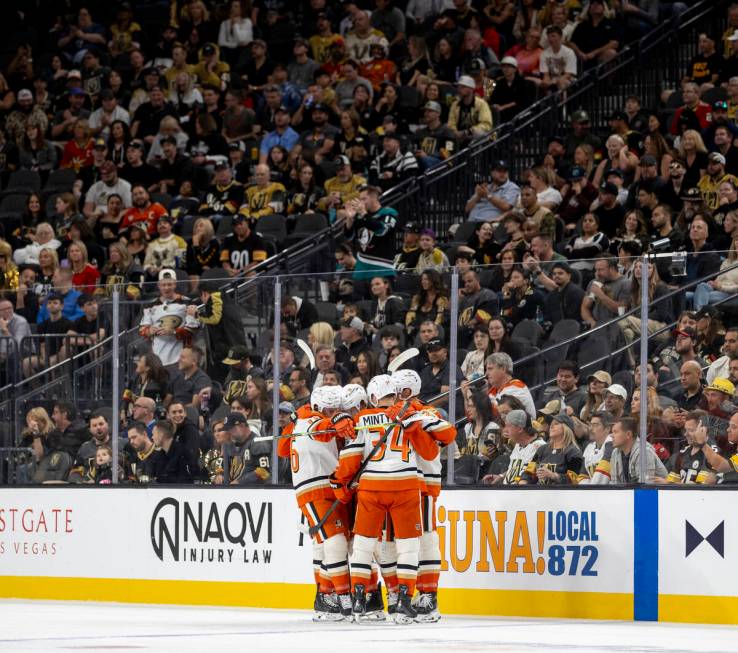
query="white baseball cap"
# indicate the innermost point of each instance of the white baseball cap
(509, 61)
(618, 390)
(466, 80)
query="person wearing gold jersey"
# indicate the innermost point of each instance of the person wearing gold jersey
(264, 197)
(710, 182)
(341, 188)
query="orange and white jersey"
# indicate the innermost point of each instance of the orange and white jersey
(394, 466)
(312, 457)
(514, 388)
(429, 420)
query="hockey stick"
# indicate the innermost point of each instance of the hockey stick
(402, 358)
(327, 431)
(307, 351)
(380, 443)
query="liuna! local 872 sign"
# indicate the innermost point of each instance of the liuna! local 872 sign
(554, 540)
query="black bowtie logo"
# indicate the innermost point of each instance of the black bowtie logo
(716, 539)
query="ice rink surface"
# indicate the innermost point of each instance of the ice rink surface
(68, 626)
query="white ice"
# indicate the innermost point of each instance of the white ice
(69, 626)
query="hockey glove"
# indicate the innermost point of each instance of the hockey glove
(340, 491)
(344, 426)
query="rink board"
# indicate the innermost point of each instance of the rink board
(573, 553)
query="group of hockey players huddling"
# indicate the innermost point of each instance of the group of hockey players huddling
(366, 468)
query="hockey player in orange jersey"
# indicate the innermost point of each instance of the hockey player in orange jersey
(313, 458)
(388, 485)
(427, 418)
(354, 401)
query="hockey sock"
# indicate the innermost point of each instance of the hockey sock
(335, 561)
(361, 560)
(429, 565)
(407, 562)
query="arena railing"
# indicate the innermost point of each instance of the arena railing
(642, 68)
(43, 386)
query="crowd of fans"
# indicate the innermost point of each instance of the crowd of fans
(155, 158)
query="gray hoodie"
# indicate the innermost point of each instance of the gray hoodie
(654, 466)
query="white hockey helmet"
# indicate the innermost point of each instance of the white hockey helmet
(380, 387)
(327, 396)
(406, 379)
(353, 395)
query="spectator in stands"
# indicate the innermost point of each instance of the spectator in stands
(299, 313)
(476, 306)
(606, 294)
(299, 383)
(244, 249)
(430, 303)
(434, 377)
(520, 300)
(435, 142)
(501, 384)
(372, 226)
(491, 204)
(558, 61)
(540, 261)
(565, 300)
(189, 380)
(720, 367)
(151, 380)
(567, 390)
(625, 463)
(265, 196)
(596, 39)
(513, 92)
(69, 433)
(559, 461)
(710, 332)
(684, 350)
(393, 165)
(352, 344)
(690, 380)
(173, 464)
(469, 116)
(109, 184)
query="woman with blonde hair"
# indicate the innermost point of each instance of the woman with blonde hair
(77, 153)
(121, 270)
(84, 275)
(48, 262)
(37, 430)
(320, 333)
(8, 270)
(203, 251)
(169, 126)
(693, 152)
(559, 461)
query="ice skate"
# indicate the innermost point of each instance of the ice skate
(426, 605)
(359, 604)
(405, 612)
(326, 608)
(375, 605)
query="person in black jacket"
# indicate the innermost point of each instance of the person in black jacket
(299, 313)
(222, 320)
(172, 465)
(69, 434)
(565, 303)
(185, 432)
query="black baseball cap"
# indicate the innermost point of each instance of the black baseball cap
(232, 420)
(434, 344)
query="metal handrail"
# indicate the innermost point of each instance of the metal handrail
(604, 327)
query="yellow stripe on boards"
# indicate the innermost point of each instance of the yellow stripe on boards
(503, 603)
(683, 608)
(173, 592)
(529, 603)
